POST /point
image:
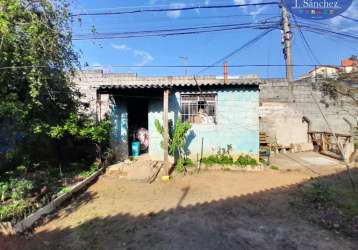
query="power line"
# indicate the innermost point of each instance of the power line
(184, 31)
(349, 18)
(171, 66)
(307, 45)
(174, 9)
(325, 31)
(247, 44)
(177, 29)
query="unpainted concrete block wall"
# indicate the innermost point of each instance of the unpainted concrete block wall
(283, 104)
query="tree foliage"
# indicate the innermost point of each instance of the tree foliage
(80, 126)
(36, 60)
(38, 102)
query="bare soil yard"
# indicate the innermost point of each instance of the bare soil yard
(210, 210)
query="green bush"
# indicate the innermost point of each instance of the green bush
(210, 160)
(16, 189)
(20, 189)
(13, 210)
(245, 160)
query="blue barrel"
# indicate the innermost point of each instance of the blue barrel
(135, 148)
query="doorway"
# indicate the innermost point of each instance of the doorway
(137, 119)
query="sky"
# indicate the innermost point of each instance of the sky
(201, 49)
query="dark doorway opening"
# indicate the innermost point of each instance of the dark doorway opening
(137, 118)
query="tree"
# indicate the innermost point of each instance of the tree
(36, 61)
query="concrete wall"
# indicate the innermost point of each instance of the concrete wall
(283, 105)
(237, 124)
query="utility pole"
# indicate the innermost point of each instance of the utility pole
(287, 42)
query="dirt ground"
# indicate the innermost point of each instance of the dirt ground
(210, 210)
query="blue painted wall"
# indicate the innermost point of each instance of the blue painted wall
(119, 138)
(237, 123)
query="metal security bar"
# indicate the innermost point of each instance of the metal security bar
(199, 109)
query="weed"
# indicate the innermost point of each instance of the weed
(318, 192)
(89, 172)
(12, 210)
(64, 190)
(273, 167)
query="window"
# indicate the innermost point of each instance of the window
(197, 108)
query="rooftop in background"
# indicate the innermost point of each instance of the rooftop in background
(349, 63)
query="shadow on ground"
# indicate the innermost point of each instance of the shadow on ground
(261, 220)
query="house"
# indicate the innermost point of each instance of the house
(349, 65)
(222, 112)
(322, 72)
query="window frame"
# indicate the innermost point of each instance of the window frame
(200, 97)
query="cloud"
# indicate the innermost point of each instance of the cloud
(207, 2)
(145, 56)
(258, 11)
(251, 10)
(121, 47)
(351, 12)
(175, 13)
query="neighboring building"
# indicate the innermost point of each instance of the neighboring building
(349, 65)
(221, 113)
(321, 72)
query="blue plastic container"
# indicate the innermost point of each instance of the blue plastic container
(135, 148)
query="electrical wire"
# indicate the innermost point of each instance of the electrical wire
(307, 45)
(175, 32)
(174, 9)
(245, 45)
(170, 66)
(349, 18)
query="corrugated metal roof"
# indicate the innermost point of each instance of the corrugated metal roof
(165, 82)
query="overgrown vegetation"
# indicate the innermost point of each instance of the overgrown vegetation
(46, 143)
(176, 142)
(21, 194)
(223, 157)
(330, 202)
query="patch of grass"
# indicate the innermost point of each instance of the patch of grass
(87, 173)
(273, 167)
(346, 199)
(318, 192)
(331, 203)
(64, 190)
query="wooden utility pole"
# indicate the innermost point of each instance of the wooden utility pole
(165, 124)
(287, 42)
